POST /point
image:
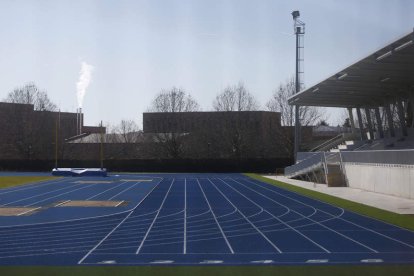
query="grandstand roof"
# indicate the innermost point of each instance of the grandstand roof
(387, 73)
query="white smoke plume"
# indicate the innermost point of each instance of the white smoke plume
(85, 76)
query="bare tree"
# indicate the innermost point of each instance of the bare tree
(235, 136)
(279, 103)
(32, 132)
(235, 98)
(127, 131)
(308, 115)
(173, 100)
(30, 94)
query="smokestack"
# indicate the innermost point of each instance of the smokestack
(80, 120)
(77, 121)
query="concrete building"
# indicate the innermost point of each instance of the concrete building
(30, 134)
(243, 134)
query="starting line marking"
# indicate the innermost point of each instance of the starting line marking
(211, 262)
(372, 261)
(262, 262)
(162, 262)
(107, 262)
(317, 261)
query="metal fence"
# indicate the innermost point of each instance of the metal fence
(335, 142)
(312, 162)
(305, 155)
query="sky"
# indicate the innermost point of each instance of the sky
(137, 48)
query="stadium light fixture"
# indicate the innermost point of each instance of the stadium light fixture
(341, 77)
(381, 57)
(404, 45)
(295, 14)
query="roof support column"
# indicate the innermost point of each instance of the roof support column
(297, 132)
(369, 123)
(412, 108)
(401, 117)
(389, 120)
(351, 120)
(379, 122)
(361, 126)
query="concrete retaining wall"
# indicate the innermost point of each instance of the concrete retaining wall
(390, 180)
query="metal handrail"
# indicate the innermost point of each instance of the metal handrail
(306, 165)
(335, 141)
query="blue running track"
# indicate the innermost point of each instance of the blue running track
(189, 219)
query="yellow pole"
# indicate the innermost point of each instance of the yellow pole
(101, 146)
(56, 143)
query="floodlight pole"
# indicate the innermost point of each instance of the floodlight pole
(299, 28)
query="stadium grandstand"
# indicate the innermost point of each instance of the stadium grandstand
(378, 154)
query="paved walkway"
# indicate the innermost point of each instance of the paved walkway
(393, 204)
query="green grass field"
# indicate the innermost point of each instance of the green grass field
(314, 270)
(10, 181)
(390, 270)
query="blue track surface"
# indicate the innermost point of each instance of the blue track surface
(191, 219)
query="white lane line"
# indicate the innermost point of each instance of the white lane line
(360, 226)
(247, 219)
(118, 225)
(229, 214)
(81, 188)
(64, 202)
(316, 222)
(281, 221)
(200, 214)
(32, 186)
(298, 201)
(39, 233)
(185, 216)
(215, 218)
(124, 191)
(60, 224)
(107, 190)
(380, 234)
(169, 215)
(31, 210)
(155, 218)
(64, 188)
